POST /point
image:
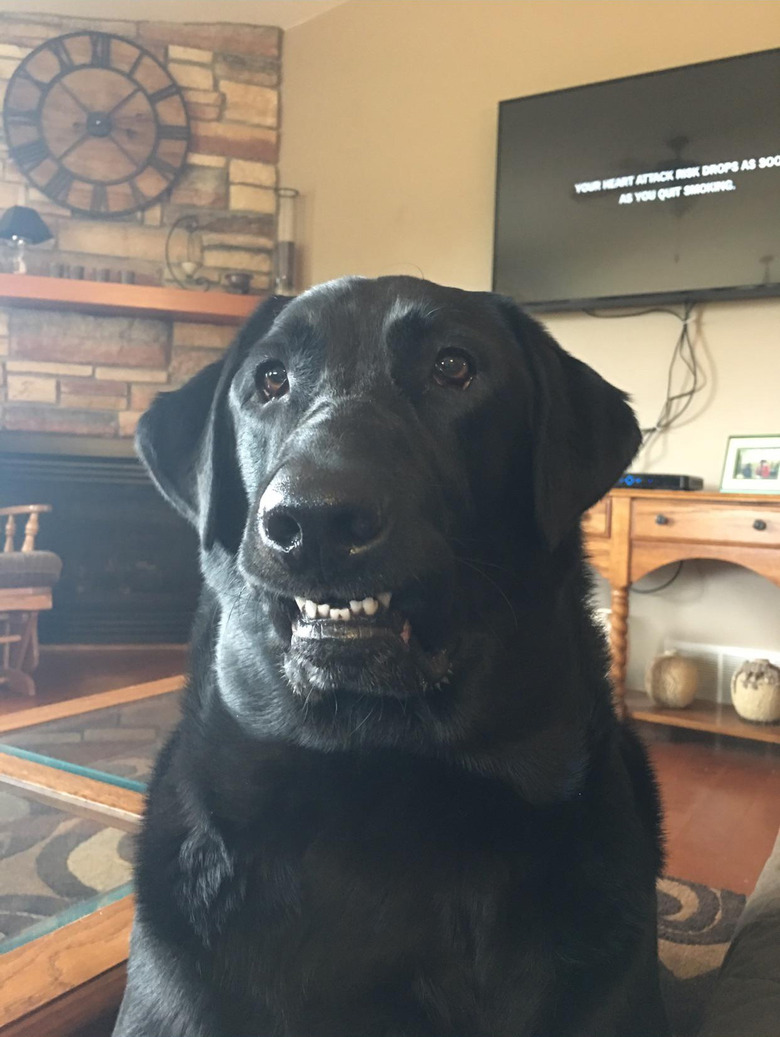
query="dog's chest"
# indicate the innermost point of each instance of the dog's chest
(403, 881)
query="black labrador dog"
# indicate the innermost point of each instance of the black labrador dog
(399, 803)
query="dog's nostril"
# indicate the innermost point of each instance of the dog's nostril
(282, 529)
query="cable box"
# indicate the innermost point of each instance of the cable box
(652, 481)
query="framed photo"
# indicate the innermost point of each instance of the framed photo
(752, 465)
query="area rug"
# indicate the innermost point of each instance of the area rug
(54, 868)
(695, 926)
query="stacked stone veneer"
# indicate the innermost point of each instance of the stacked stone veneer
(78, 374)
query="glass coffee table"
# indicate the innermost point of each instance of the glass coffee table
(72, 782)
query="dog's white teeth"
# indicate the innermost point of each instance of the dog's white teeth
(406, 632)
(367, 607)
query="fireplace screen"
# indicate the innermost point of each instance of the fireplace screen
(130, 566)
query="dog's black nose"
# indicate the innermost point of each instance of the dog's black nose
(325, 528)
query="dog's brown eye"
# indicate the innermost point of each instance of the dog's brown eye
(453, 369)
(271, 379)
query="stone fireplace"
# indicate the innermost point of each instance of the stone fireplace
(74, 378)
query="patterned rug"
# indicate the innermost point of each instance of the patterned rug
(55, 867)
(695, 926)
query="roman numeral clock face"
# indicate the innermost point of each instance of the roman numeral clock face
(96, 123)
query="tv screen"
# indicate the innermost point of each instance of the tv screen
(659, 187)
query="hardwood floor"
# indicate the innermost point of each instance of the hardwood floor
(72, 671)
(721, 796)
(721, 805)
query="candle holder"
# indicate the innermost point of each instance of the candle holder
(187, 273)
(284, 265)
(189, 267)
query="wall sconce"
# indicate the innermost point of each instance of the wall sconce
(22, 226)
(284, 272)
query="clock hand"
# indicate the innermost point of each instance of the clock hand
(125, 152)
(74, 145)
(80, 103)
(124, 101)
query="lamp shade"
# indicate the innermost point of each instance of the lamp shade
(22, 222)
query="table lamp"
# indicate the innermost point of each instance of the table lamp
(22, 226)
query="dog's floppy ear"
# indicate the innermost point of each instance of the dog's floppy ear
(584, 432)
(187, 443)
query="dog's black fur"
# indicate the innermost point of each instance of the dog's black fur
(438, 834)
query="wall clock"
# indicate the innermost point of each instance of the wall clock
(96, 123)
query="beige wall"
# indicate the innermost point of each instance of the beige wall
(389, 132)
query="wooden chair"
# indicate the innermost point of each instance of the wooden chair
(26, 581)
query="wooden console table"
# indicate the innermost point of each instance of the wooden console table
(631, 532)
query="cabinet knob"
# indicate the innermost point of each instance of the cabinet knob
(661, 520)
(759, 524)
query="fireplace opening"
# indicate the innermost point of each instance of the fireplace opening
(129, 562)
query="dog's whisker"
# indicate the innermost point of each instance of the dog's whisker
(364, 720)
(488, 565)
(236, 601)
(462, 545)
(492, 582)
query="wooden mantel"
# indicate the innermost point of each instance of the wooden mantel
(109, 299)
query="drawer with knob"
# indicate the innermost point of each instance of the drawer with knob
(706, 521)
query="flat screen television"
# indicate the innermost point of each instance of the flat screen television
(662, 187)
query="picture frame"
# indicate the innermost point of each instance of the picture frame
(752, 465)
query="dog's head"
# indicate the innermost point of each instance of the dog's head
(387, 477)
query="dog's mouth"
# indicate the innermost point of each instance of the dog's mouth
(380, 634)
(364, 617)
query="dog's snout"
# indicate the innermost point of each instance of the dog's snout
(319, 526)
(335, 501)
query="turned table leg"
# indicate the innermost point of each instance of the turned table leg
(619, 645)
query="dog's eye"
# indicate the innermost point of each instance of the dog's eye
(271, 379)
(453, 369)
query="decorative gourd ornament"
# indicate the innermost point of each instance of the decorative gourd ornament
(671, 681)
(755, 691)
